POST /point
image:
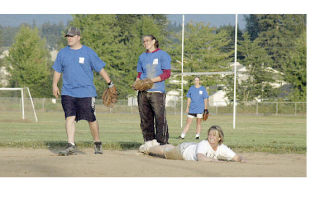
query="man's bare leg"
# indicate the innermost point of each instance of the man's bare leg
(70, 129)
(94, 128)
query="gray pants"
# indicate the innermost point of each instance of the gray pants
(173, 153)
(176, 153)
(153, 120)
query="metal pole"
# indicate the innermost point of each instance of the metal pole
(22, 103)
(34, 111)
(43, 100)
(235, 73)
(182, 51)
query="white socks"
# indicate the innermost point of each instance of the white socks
(183, 135)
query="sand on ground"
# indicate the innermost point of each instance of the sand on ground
(18, 162)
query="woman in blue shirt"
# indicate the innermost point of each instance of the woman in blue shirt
(154, 64)
(196, 104)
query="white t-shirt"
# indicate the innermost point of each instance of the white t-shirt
(190, 152)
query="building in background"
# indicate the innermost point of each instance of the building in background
(3, 71)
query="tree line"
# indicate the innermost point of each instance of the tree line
(271, 47)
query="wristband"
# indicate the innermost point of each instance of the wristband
(110, 84)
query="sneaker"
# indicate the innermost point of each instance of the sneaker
(180, 137)
(98, 148)
(70, 150)
(197, 137)
(145, 147)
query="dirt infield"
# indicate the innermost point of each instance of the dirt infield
(17, 162)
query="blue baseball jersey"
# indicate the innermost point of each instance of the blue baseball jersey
(152, 65)
(76, 67)
(197, 96)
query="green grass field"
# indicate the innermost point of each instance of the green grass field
(277, 134)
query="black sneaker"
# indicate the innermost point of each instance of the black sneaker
(70, 150)
(197, 137)
(98, 148)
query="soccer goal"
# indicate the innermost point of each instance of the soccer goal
(22, 91)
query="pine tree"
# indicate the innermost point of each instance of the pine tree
(52, 33)
(252, 26)
(282, 36)
(28, 62)
(296, 70)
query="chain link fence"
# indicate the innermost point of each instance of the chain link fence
(130, 106)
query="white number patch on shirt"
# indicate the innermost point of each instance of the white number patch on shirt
(81, 60)
(155, 61)
(200, 92)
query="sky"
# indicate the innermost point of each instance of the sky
(212, 19)
(215, 20)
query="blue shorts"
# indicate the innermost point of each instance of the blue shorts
(82, 108)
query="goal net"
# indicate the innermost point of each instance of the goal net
(15, 100)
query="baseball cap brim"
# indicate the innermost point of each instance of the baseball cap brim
(69, 34)
(72, 31)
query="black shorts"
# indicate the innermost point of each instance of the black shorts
(82, 108)
(195, 115)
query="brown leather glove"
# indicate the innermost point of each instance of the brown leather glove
(143, 85)
(110, 95)
(205, 114)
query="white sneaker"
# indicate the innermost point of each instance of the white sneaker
(145, 147)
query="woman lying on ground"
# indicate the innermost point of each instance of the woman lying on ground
(211, 149)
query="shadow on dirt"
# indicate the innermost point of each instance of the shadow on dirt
(57, 146)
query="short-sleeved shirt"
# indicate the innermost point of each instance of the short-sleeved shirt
(152, 64)
(76, 67)
(192, 149)
(197, 96)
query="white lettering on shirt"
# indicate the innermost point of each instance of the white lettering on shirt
(81, 60)
(155, 61)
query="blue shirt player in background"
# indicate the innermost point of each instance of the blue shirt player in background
(196, 104)
(76, 63)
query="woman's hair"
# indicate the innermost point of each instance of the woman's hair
(220, 132)
(197, 77)
(156, 44)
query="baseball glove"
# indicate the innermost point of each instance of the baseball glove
(205, 114)
(143, 85)
(110, 96)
